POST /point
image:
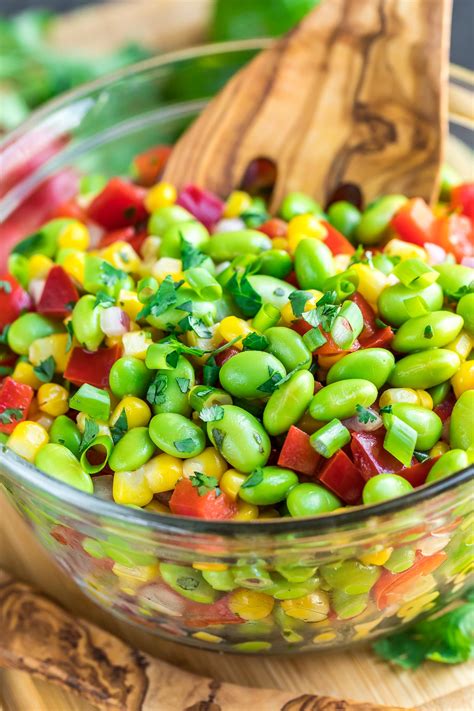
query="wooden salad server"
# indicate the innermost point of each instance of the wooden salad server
(356, 93)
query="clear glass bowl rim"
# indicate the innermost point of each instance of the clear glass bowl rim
(29, 476)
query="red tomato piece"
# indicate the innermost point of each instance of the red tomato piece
(125, 234)
(417, 473)
(204, 205)
(298, 454)
(462, 199)
(70, 208)
(13, 300)
(382, 338)
(150, 164)
(186, 501)
(118, 205)
(370, 457)
(59, 294)
(335, 240)
(414, 221)
(217, 613)
(391, 588)
(342, 477)
(91, 367)
(14, 396)
(455, 233)
(274, 228)
(224, 356)
(445, 408)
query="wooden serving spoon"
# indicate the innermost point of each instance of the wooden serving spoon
(356, 93)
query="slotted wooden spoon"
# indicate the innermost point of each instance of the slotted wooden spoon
(355, 93)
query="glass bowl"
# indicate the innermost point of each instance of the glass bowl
(276, 586)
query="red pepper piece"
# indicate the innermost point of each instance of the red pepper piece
(14, 396)
(150, 164)
(69, 537)
(70, 208)
(298, 454)
(274, 228)
(414, 222)
(343, 478)
(462, 199)
(59, 294)
(391, 588)
(118, 205)
(417, 474)
(301, 326)
(445, 408)
(368, 315)
(371, 458)
(204, 205)
(330, 348)
(382, 338)
(337, 243)
(292, 279)
(455, 233)
(13, 300)
(93, 368)
(217, 613)
(224, 356)
(186, 501)
(127, 234)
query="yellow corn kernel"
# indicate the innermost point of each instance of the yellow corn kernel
(128, 302)
(280, 243)
(111, 341)
(74, 236)
(27, 439)
(136, 344)
(160, 195)
(324, 637)
(207, 637)
(53, 399)
(287, 315)
(230, 483)
(245, 512)
(208, 462)
(73, 264)
(376, 557)
(137, 411)
(250, 604)
(150, 248)
(405, 250)
(39, 266)
(439, 448)
(341, 262)
(157, 507)
(231, 327)
(393, 395)
(122, 256)
(24, 373)
(307, 225)
(130, 578)
(309, 608)
(205, 344)
(371, 282)
(237, 203)
(424, 399)
(215, 567)
(462, 345)
(131, 488)
(162, 472)
(54, 345)
(81, 424)
(167, 266)
(464, 379)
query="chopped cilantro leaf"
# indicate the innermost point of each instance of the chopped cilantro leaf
(104, 300)
(298, 300)
(183, 384)
(387, 410)
(190, 256)
(110, 275)
(421, 456)
(212, 413)
(185, 445)
(428, 332)
(210, 372)
(186, 582)
(312, 317)
(247, 299)
(205, 484)
(156, 393)
(172, 359)
(10, 414)
(6, 287)
(218, 437)
(272, 383)
(256, 477)
(120, 427)
(255, 342)
(192, 323)
(91, 430)
(364, 415)
(45, 370)
(70, 335)
(162, 300)
(4, 335)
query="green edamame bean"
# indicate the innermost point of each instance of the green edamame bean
(44, 241)
(465, 309)
(461, 428)
(400, 559)
(129, 376)
(314, 263)
(391, 302)
(299, 204)
(187, 582)
(221, 580)
(192, 232)
(64, 431)
(86, 323)
(132, 451)
(96, 271)
(454, 278)
(276, 263)
(351, 576)
(296, 573)
(271, 486)
(311, 500)
(253, 576)
(433, 330)
(284, 590)
(173, 386)
(28, 328)
(383, 263)
(346, 606)
(383, 487)
(440, 392)
(201, 396)
(373, 364)
(176, 435)
(426, 423)
(18, 267)
(449, 463)
(271, 290)
(60, 463)
(240, 438)
(288, 403)
(418, 371)
(288, 346)
(167, 216)
(376, 218)
(345, 217)
(247, 374)
(339, 400)
(225, 246)
(203, 309)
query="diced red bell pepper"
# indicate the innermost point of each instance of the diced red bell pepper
(226, 355)
(372, 336)
(445, 408)
(70, 208)
(298, 454)
(343, 478)
(217, 613)
(274, 228)
(13, 300)
(370, 457)
(301, 326)
(414, 222)
(150, 164)
(381, 338)
(462, 199)
(127, 234)
(335, 240)
(417, 473)
(455, 233)
(293, 279)
(186, 501)
(93, 368)
(118, 205)
(69, 537)
(59, 294)
(391, 588)
(204, 205)
(14, 396)
(330, 348)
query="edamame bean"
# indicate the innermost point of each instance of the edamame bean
(252, 575)
(132, 451)
(314, 264)
(339, 400)
(288, 403)
(165, 217)
(376, 218)
(44, 241)
(288, 346)
(276, 263)
(225, 246)
(187, 582)
(345, 217)
(439, 392)
(434, 330)
(271, 486)
(221, 580)
(201, 396)
(176, 435)
(271, 290)
(373, 364)
(383, 487)
(426, 423)
(392, 306)
(250, 374)
(461, 428)
(86, 322)
(449, 463)
(192, 232)
(28, 328)
(172, 388)
(465, 309)
(299, 204)
(284, 590)
(240, 438)
(60, 463)
(454, 279)
(203, 309)
(311, 500)
(346, 606)
(422, 370)
(64, 431)
(129, 376)
(351, 576)
(401, 559)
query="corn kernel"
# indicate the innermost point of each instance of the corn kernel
(341, 262)
(464, 379)
(131, 488)
(280, 243)
(215, 567)
(160, 195)
(231, 327)
(81, 424)
(424, 399)
(205, 344)
(371, 282)
(209, 462)
(27, 439)
(141, 573)
(308, 225)
(207, 637)
(150, 248)
(324, 637)
(230, 483)
(405, 250)
(137, 411)
(157, 507)
(462, 345)
(53, 399)
(24, 373)
(54, 345)
(128, 302)
(111, 341)
(122, 256)
(162, 472)
(237, 203)
(439, 448)
(376, 557)
(250, 604)
(393, 395)
(313, 607)
(74, 264)
(245, 512)
(136, 344)
(39, 266)
(168, 266)
(74, 236)
(287, 314)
